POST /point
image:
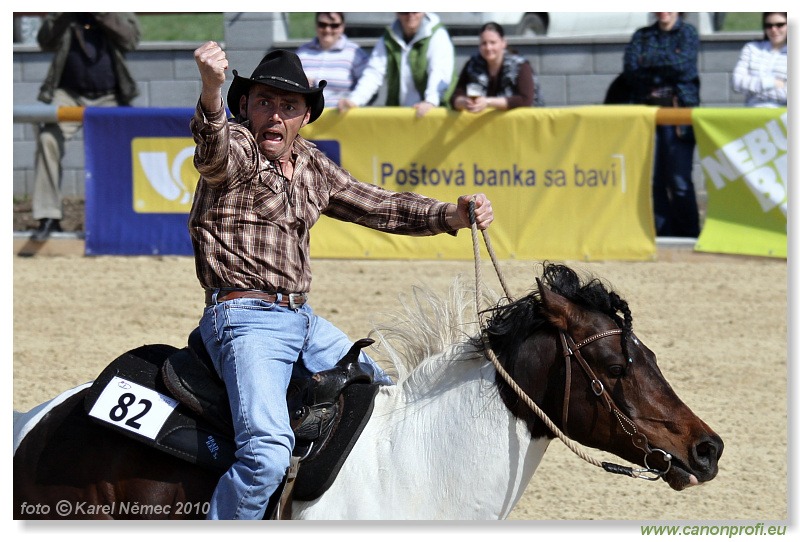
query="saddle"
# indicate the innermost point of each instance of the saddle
(173, 400)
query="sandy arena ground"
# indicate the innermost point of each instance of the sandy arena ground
(718, 325)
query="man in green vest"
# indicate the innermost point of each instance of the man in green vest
(415, 59)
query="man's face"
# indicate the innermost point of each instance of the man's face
(329, 28)
(410, 22)
(667, 19)
(276, 117)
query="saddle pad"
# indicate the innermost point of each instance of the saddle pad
(129, 396)
(130, 392)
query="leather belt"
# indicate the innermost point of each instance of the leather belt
(293, 301)
(93, 94)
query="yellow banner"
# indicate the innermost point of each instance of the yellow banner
(565, 183)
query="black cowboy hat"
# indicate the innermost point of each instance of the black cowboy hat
(283, 70)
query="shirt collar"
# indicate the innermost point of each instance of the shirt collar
(338, 46)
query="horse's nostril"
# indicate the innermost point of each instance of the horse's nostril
(708, 451)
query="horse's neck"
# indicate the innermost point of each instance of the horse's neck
(441, 445)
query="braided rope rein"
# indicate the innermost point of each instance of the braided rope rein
(572, 445)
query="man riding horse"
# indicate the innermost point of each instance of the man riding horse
(262, 187)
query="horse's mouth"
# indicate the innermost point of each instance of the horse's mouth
(679, 478)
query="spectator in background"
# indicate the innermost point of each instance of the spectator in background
(760, 74)
(332, 57)
(660, 65)
(88, 69)
(415, 58)
(494, 77)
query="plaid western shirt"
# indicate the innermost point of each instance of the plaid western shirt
(250, 225)
(658, 62)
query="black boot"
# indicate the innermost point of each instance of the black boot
(46, 227)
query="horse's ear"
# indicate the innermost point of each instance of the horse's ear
(557, 308)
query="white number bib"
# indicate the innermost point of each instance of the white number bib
(133, 407)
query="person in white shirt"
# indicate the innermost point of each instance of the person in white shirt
(416, 59)
(761, 72)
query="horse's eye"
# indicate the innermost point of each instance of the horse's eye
(616, 371)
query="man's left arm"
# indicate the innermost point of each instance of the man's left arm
(683, 71)
(406, 213)
(685, 55)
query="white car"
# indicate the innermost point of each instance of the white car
(556, 24)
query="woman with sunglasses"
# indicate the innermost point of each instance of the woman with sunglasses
(333, 57)
(760, 73)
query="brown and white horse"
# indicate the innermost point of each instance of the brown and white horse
(451, 440)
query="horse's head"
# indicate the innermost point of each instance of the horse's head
(604, 388)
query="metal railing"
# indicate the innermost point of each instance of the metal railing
(47, 113)
(52, 113)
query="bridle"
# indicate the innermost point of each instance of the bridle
(571, 351)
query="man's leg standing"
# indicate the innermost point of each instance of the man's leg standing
(685, 218)
(662, 170)
(50, 141)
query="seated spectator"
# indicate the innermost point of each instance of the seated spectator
(331, 56)
(495, 77)
(760, 73)
(415, 59)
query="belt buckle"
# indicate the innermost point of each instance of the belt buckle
(294, 304)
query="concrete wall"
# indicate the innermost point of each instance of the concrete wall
(572, 72)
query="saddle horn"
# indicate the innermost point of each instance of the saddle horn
(326, 385)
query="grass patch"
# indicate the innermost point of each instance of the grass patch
(210, 26)
(742, 22)
(302, 25)
(182, 26)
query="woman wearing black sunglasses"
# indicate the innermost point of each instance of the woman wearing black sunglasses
(760, 73)
(333, 57)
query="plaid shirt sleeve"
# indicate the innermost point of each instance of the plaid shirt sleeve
(405, 213)
(214, 157)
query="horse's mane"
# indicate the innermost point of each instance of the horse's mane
(426, 324)
(508, 324)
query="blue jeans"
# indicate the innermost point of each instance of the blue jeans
(255, 345)
(674, 199)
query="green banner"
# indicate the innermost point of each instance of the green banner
(744, 159)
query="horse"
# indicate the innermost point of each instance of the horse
(456, 437)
